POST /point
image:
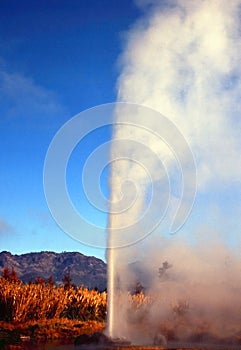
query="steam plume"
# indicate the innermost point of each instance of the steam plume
(181, 58)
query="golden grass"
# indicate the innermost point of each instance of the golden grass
(25, 302)
(45, 312)
(21, 302)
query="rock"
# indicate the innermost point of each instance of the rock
(160, 339)
(9, 337)
(99, 338)
(83, 339)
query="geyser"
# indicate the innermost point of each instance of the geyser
(182, 58)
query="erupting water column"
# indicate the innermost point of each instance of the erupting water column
(110, 288)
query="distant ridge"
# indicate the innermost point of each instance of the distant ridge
(88, 271)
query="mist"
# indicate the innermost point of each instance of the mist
(182, 59)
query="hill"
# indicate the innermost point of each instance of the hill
(87, 271)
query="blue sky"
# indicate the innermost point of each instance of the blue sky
(60, 58)
(57, 58)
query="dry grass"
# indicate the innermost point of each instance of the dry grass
(25, 302)
(45, 312)
(21, 303)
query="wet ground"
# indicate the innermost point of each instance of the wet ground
(171, 346)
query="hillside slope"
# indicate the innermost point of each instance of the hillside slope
(87, 271)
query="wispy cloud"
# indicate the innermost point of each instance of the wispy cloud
(5, 227)
(23, 101)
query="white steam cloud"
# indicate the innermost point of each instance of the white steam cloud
(183, 59)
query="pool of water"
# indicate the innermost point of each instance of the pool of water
(171, 346)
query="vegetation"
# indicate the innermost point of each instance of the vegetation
(87, 271)
(43, 311)
(39, 301)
